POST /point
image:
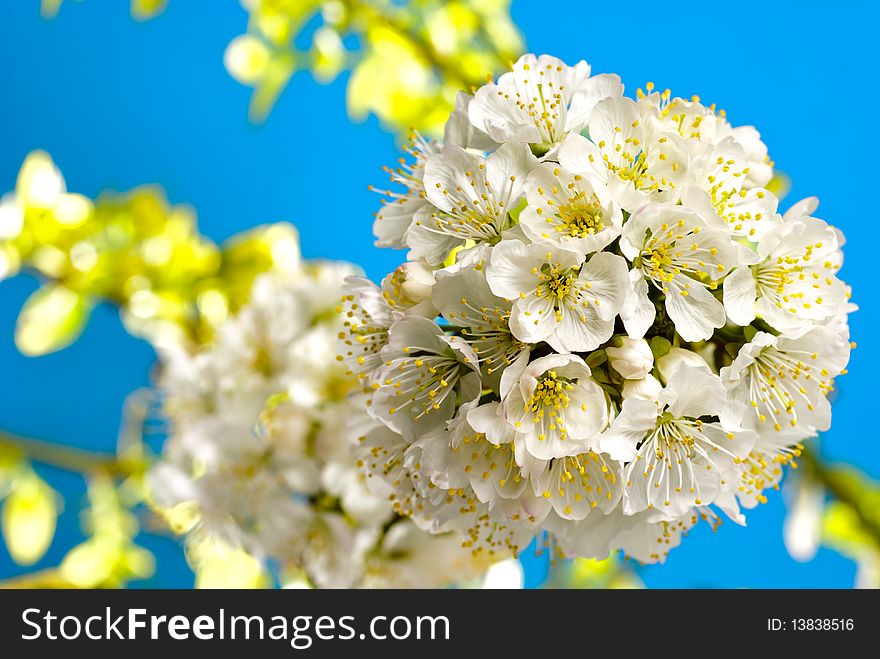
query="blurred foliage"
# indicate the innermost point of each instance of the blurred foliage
(219, 565)
(108, 557)
(140, 9)
(172, 286)
(30, 508)
(588, 573)
(215, 562)
(134, 250)
(407, 59)
(849, 521)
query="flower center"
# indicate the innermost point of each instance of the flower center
(550, 393)
(663, 257)
(776, 276)
(674, 436)
(636, 170)
(763, 470)
(424, 382)
(581, 217)
(776, 388)
(657, 258)
(555, 282)
(543, 101)
(485, 460)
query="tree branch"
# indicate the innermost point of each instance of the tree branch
(48, 578)
(71, 459)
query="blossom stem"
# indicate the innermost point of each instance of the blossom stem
(730, 336)
(70, 459)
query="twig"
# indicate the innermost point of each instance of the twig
(71, 459)
(48, 578)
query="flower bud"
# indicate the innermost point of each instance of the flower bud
(669, 363)
(648, 388)
(408, 288)
(632, 358)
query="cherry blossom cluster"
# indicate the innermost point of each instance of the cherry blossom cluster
(605, 329)
(258, 457)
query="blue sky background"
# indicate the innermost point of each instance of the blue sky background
(119, 103)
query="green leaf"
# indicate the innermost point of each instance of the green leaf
(660, 346)
(28, 520)
(51, 319)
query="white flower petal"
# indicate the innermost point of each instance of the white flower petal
(740, 294)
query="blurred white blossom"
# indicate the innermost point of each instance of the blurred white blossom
(259, 453)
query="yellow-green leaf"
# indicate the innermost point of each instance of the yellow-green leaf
(219, 565)
(51, 319)
(28, 521)
(49, 8)
(146, 9)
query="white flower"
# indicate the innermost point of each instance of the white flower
(595, 536)
(496, 469)
(459, 131)
(465, 300)
(193, 389)
(569, 210)
(676, 460)
(343, 480)
(632, 358)
(380, 454)
(675, 358)
(576, 484)
(648, 388)
(596, 261)
(794, 285)
(803, 523)
(366, 319)
(442, 500)
(689, 119)
(424, 371)
(759, 471)
(718, 184)
(639, 162)
(410, 558)
(558, 300)
(759, 165)
(256, 344)
(684, 256)
(650, 540)
(258, 448)
(557, 407)
(540, 101)
(701, 127)
(471, 196)
(334, 556)
(504, 575)
(779, 385)
(408, 289)
(395, 218)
